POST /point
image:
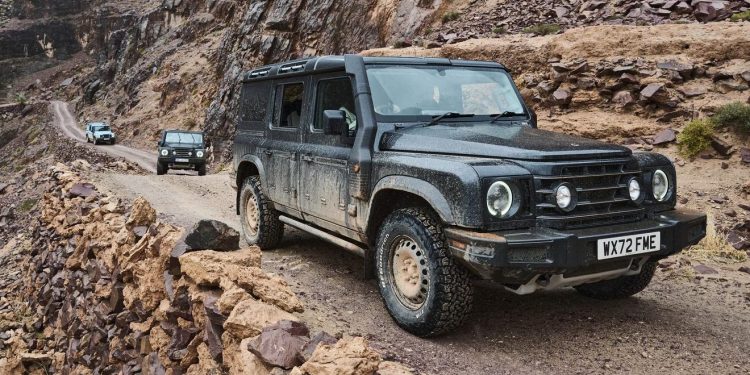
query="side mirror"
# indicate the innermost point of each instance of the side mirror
(334, 122)
(158, 143)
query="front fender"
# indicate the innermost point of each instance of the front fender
(422, 188)
(241, 173)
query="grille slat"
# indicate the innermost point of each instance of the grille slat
(183, 153)
(602, 195)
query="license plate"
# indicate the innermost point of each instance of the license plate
(608, 248)
(178, 160)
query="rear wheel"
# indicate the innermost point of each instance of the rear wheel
(424, 290)
(621, 287)
(161, 168)
(260, 221)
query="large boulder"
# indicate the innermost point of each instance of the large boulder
(142, 214)
(280, 344)
(351, 355)
(250, 316)
(213, 235)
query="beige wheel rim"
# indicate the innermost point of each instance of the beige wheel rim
(410, 273)
(252, 215)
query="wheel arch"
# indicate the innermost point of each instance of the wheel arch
(395, 192)
(250, 165)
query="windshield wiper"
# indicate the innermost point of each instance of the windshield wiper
(438, 118)
(504, 114)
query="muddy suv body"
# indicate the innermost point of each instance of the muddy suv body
(434, 171)
(179, 149)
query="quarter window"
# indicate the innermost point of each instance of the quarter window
(336, 94)
(288, 105)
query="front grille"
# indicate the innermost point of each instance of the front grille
(602, 196)
(183, 153)
(105, 136)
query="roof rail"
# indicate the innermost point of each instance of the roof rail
(297, 66)
(258, 73)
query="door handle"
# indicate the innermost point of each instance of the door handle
(307, 158)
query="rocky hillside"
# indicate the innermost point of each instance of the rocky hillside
(150, 65)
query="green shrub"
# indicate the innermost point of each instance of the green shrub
(734, 115)
(695, 138)
(27, 205)
(21, 98)
(499, 30)
(451, 16)
(741, 16)
(543, 29)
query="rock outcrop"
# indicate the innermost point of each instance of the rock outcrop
(104, 295)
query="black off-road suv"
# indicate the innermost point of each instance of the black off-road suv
(179, 149)
(434, 171)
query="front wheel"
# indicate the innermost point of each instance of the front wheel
(424, 290)
(201, 170)
(260, 221)
(621, 287)
(161, 168)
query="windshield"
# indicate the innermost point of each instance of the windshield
(101, 128)
(400, 91)
(188, 138)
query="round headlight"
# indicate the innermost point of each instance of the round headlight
(564, 197)
(199, 154)
(660, 185)
(634, 189)
(164, 152)
(500, 199)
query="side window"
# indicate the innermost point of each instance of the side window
(254, 101)
(288, 105)
(335, 94)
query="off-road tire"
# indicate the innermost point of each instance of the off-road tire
(448, 300)
(112, 142)
(161, 168)
(621, 287)
(270, 228)
(95, 142)
(201, 170)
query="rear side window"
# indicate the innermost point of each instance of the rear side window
(288, 105)
(335, 94)
(254, 101)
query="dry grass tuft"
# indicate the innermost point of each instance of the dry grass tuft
(715, 247)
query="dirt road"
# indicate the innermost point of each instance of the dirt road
(69, 126)
(680, 324)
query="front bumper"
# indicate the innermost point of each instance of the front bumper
(172, 162)
(516, 257)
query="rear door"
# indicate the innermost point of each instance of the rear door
(280, 154)
(323, 187)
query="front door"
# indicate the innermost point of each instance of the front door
(280, 154)
(324, 192)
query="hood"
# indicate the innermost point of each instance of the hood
(498, 141)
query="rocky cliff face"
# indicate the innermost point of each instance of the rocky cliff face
(144, 58)
(48, 8)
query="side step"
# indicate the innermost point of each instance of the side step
(349, 246)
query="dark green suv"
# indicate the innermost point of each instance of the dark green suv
(179, 149)
(434, 171)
